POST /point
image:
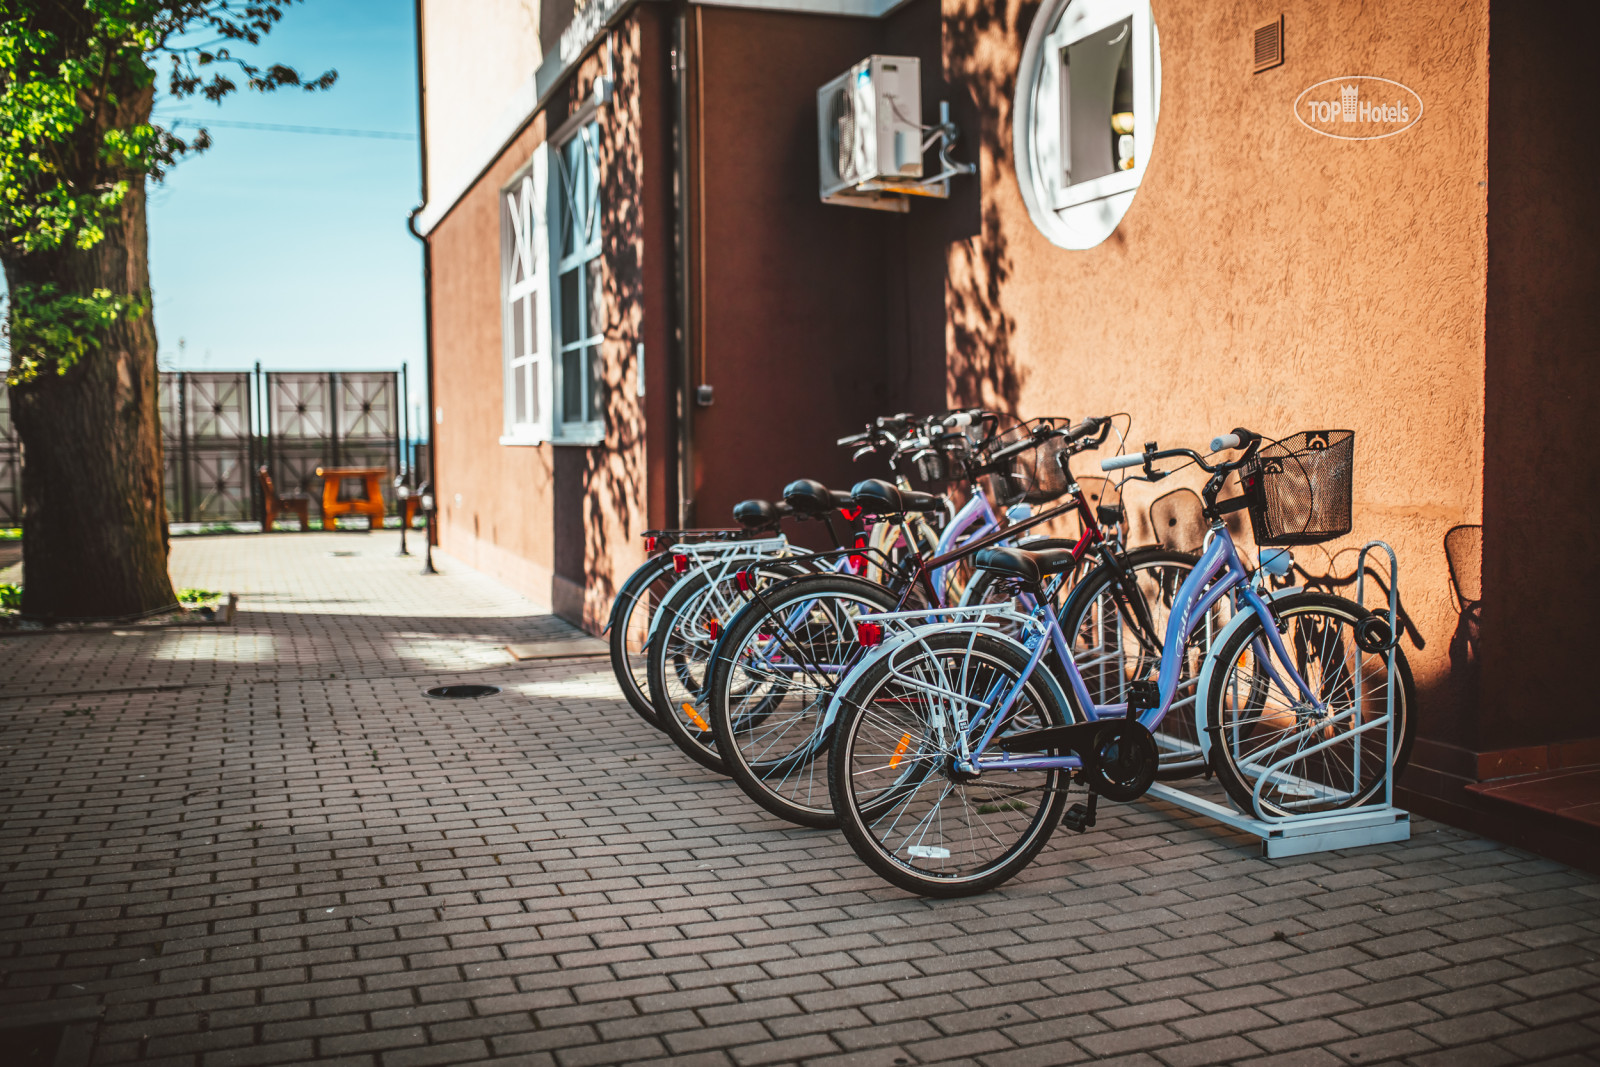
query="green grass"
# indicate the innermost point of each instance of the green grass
(10, 533)
(197, 596)
(10, 597)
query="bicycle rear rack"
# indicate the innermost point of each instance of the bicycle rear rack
(1299, 835)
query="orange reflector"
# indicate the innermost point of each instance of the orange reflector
(900, 751)
(696, 718)
(714, 628)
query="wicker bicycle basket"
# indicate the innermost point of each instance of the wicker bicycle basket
(1035, 475)
(1299, 488)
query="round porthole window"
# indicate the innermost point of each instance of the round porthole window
(1088, 93)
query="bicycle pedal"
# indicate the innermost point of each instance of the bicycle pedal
(1079, 818)
(1142, 694)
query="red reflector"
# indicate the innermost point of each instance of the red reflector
(850, 514)
(858, 563)
(714, 628)
(745, 579)
(861, 540)
(680, 564)
(649, 544)
(869, 634)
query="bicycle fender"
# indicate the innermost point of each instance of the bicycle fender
(1202, 716)
(889, 647)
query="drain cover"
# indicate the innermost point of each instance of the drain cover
(462, 692)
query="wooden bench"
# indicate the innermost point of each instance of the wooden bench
(298, 503)
(370, 505)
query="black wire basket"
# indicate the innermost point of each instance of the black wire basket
(1035, 475)
(1299, 488)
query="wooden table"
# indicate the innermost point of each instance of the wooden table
(371, 505)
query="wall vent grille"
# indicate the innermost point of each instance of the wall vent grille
(1269, 45)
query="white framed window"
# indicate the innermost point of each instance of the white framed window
(1088, 96)
(578, 308)
(525, 287)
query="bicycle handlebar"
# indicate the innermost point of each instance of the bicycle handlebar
(1117, 463)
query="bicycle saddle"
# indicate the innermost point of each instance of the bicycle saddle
(759, 514)
(882, 498)
(810, 497)
(1030, 566)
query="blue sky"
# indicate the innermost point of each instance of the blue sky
(291, 249)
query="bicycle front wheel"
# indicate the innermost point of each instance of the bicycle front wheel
(902, 804)
(780, 661)
(629, 630)
(1305, 755)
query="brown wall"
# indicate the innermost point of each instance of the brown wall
(1264, 275)
(793, 332)
(1542, 384)
(560, 523)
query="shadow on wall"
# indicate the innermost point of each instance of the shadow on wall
(979, 39)
(614, 473)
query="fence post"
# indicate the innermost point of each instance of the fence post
(183, 443)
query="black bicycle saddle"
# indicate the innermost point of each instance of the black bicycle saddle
(1029, 565)
(810, 497)
(759, 514)
(884, 498)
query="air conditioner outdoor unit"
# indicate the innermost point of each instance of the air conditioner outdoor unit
(870, 135)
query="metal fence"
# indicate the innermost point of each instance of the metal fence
(219, 427)
(10, 465)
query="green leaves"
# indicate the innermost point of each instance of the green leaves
(76, 89)
(52, 329)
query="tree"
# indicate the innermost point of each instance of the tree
(77, 144)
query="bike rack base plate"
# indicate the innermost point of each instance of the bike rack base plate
(1300, 837)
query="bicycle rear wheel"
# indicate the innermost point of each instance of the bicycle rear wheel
(900, 801)
(629, 631)
(1112, 653)
(775, 674)
(1308, 759)
(686, 631)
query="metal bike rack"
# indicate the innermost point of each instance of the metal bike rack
(1299, 835)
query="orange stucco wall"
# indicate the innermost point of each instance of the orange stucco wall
(1264, 276)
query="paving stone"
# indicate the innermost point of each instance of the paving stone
(264, 844)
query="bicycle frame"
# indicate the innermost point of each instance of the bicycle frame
(1219, 572)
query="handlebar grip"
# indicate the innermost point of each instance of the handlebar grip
(1088, 426)
(853, 439)
(1117, 463)
(1226, 440)
(958, 421)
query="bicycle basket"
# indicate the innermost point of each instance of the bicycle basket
(1035, 475)
(1299, 488)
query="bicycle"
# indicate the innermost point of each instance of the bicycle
(953, 754)
(797, 638)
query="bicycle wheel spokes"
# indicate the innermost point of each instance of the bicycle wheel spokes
(1301, 753)
(906, 808)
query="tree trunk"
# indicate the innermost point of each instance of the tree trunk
(94, 526)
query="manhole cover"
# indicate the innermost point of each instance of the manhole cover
(462, 692)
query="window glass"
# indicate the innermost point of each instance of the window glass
(1084, 116)
(525, 256)
(581, 306)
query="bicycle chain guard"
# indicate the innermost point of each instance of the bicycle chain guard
(1119, 756)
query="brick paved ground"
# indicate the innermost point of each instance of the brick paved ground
(266, 846)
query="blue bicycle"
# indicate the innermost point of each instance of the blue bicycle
(953, 752)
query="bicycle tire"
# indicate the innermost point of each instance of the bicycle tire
(781, 764)
(629, 665)
(1307, 785)
(680, 651)
(864, 737)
